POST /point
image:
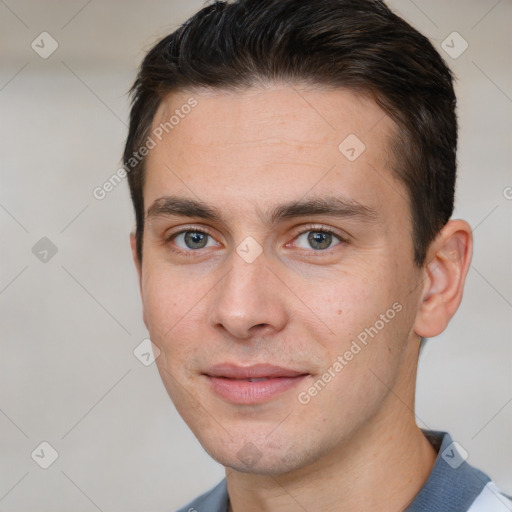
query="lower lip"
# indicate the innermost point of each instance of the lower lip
(246, 392)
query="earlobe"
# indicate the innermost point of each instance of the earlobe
(447, 265)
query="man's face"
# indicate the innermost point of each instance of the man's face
(279, 255)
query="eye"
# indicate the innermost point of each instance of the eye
(319, 240)
(193, 239)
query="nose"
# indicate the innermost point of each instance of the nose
(249, 301)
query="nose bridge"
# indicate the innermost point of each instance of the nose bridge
(247, 298)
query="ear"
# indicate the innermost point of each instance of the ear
(136, 259)
(448, 260)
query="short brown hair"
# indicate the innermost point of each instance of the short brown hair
(358, 45)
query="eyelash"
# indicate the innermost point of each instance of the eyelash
(321, 229)
(310, 228)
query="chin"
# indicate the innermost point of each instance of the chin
(260, 458)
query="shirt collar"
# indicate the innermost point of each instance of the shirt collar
(453, 484)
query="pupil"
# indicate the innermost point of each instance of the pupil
(195, 240)
(319, 240)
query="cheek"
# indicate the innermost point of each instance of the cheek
(166, 301)
(161, 308)
(362, 363)
(346, 302)
(174, 313)
(368, 322)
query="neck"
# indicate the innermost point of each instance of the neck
(384, 475)
(381, 467)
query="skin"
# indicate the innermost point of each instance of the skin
(356, 443)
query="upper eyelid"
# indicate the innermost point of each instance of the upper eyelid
(304, 229)
(340, 235)
(186, 229)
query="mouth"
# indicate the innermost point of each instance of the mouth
(252, 384)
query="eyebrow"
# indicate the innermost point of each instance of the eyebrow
(174, 206)
(331, 206)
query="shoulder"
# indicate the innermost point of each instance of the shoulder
(215, 500)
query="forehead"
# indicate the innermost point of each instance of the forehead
(264, 145)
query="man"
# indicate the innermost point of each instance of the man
(292, 168)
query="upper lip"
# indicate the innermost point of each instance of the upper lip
(257, 371)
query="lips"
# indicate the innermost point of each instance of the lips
(259, 371)
(252, 384)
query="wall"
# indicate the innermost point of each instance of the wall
(71, 320)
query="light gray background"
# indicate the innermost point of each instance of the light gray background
(69, 326)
